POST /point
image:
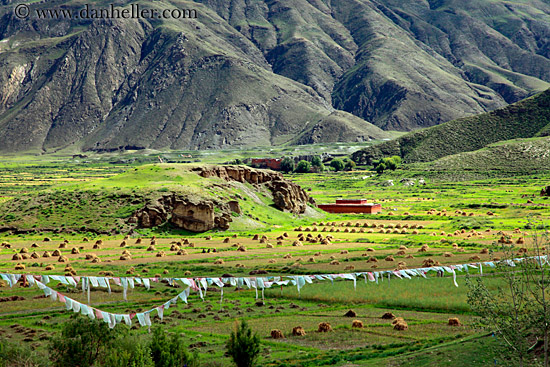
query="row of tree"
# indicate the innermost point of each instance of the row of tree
(316, 165)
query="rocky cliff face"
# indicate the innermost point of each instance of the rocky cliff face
(286, 194)
(189, 214)
(200, 215)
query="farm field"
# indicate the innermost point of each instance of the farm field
(440, 223)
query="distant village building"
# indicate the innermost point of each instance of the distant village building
(351, 206)
(272, 163)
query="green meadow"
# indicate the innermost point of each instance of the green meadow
(76, 201)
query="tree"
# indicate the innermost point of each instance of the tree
(316, 161)
(170, 352)
(388, 163)
(129, 351)
(349, 165)
(518, 310)
(82, 342)
(287, 164)
(303, 167)
(337, 164)
(243, 346)
(396, 159)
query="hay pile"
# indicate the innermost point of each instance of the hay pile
(218, 262)
(324, 327)
(19, 266)
(181, 253)
(520, 241)
(448, 254)
(151, 248)
(343, 252)
(454, 321)
(297, 243)
(428, 263)
(357, 324)
(484, 251)
(334, 262)
(63, 259)
(400, 253)
(17, 257)
(349, 267)
(241, 248)
(298, 331)
(75, 251)
(49, 267)
(388, 316)
(372, 259)
(350, 313)
(46, 254)
(161, 254)
(277, 334)
(399, 324)
(475, 258)
(424, 248)
(389, 258)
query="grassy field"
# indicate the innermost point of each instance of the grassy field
(457, 220)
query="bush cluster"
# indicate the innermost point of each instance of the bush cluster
(383, 164)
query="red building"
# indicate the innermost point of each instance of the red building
(273, 163)
(351, 206)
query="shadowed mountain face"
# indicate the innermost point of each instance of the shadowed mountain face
(263, 72)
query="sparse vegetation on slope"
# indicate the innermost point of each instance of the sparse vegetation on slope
(525, 119)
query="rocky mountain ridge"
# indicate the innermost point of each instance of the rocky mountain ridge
(263, 73)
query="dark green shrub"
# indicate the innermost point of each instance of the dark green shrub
(337, 164)
(170, 352)
(243, 346)
(129, 351)
(19, 355)
(287, 165)
(316, 161)
(349, 165)
(303, 167)
(82, 343)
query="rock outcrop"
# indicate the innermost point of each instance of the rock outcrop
(200, 215)
(286, 194)
(186, 213)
